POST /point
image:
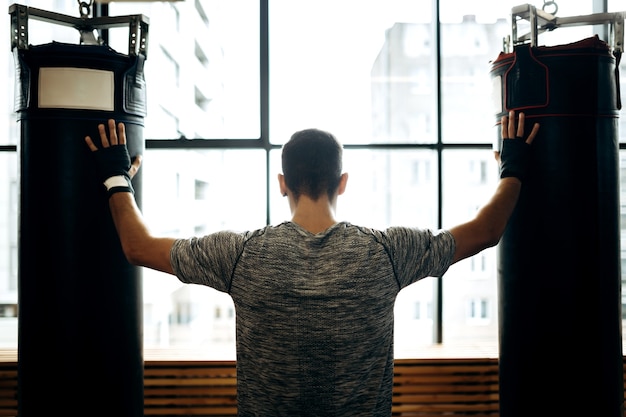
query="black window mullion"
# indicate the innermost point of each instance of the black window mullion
(264, 73)
(438, 288)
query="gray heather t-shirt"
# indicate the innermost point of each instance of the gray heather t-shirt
(314, 312)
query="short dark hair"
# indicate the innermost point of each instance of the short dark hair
(312, 163)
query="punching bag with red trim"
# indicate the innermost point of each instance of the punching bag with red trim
(559, 275)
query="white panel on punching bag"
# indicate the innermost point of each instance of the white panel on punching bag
(76, 88)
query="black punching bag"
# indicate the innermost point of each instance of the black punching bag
(80, 347)
(559, 259)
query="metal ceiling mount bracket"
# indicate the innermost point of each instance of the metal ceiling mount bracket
(540, 21)
(137, 26)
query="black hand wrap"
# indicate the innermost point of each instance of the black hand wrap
(112, 161)
(514, 158)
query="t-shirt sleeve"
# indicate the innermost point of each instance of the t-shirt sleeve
(417, 254)
(209, 260)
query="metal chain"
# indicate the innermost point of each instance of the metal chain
(84, 8)
(547, 4)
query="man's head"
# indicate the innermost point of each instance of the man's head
(312, 164)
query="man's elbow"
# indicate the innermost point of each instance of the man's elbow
(485, 238)
(150, 253)
(487, 241)
(493, 241)
(133, 255)
(493, 236)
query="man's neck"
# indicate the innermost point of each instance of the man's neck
(313, 216)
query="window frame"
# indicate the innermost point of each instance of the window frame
(264, 143)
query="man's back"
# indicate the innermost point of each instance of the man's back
(314, 313)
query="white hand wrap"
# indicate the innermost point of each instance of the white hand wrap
(118, 184)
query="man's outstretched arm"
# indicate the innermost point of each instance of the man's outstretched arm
(115, 168)
(486, 229)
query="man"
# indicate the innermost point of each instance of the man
(313, 296)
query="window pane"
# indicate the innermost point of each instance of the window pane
(470, 287)
(202, 71)
(192, 193)
(8, 249)
(360, 70)
(616, 6)
(469, 43)
(472, 36)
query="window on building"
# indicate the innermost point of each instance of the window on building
(478, 309)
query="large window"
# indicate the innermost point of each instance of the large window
(404, 85)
